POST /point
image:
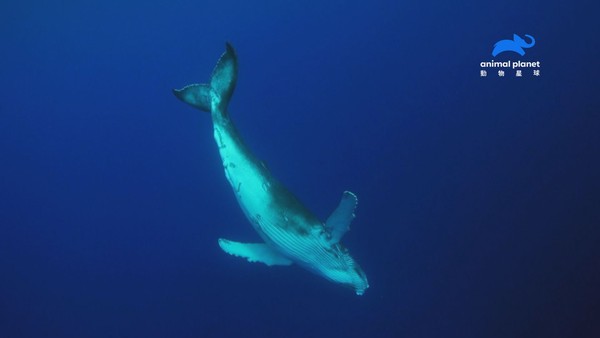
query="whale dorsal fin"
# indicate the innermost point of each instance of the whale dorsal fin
(254, 252)
(339, 221)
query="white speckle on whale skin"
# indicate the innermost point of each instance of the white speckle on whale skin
(219, 139)
(266, 186)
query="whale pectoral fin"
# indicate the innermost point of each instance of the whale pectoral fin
(254, 252)
(339, 221)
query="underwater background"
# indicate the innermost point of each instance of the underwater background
(478, 196)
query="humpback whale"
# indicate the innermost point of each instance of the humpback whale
(291, 234)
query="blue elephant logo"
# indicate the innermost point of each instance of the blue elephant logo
(517, 45)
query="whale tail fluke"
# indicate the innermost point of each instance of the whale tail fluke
(196, 95)
(213, 97)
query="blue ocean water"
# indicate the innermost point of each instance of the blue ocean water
(478, 196)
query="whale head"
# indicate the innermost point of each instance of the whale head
(342, 269)
(359, 280)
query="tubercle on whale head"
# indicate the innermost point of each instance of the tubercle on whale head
(358, 289)
(363, 285)
(351, 276)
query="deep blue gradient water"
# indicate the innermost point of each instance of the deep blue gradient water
(478, 197)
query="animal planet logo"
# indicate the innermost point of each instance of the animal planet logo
(516, 45)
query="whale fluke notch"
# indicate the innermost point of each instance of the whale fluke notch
(339, 221)
(254, 252)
